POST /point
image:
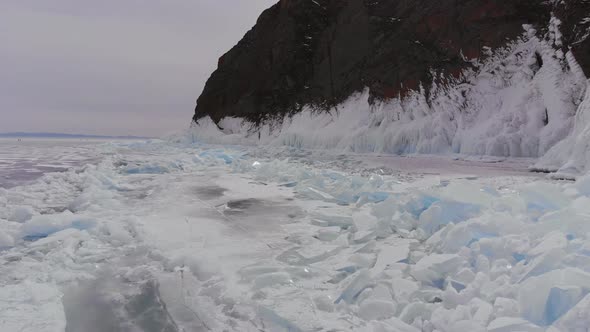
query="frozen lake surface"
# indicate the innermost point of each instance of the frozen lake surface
(26, 159)
(177, 236)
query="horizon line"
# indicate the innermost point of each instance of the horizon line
(57, 134)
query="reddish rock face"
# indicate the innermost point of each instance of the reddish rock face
(320, 52)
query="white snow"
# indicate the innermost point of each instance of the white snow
(570, 158)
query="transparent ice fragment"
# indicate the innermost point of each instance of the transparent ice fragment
(545, 298)
(553, 240)
(391, 254)
(371, 197)
(331, 221)
(416, 310)
(316, 194)
(560, 300)
(356, 286)
(44, 225)
(433, 268)
(442, 213)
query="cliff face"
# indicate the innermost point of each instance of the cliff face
(319, 52)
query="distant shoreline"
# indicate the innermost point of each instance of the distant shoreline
(62, 135)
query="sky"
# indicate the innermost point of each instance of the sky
(112, 67)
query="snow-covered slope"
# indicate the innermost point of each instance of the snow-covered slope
(519, 102)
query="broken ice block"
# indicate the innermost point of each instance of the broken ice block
(544, 263)
(553, 240)
(313, 193)
(577, 318)
(362, 281)
(274, 322)
(363, 236)
(543, 197)
(482, 311)
(419, 205)
(293, 257)
(442, 213)
(248, 273)
(42, 226)
(376, 309)
(328, 234)
(331, 221)
(545, 298)
(272, 280)
(506, 307)
(363, 260)
(373, 197)
(512, 324)
(403, 288)
(560, 300)
(457, 285)
(416, 310)
(147, 169)
(392, 253)
(433, 268)
(217, 154)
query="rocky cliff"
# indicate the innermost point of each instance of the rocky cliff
(317, 53)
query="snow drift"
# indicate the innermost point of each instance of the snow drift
(519, 102)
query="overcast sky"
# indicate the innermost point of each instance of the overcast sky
(116, 67)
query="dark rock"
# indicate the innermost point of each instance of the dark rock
(575, 27)
(319, 52)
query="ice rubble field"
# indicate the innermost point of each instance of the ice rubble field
(173, 236)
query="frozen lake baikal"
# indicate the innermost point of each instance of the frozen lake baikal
(178, 236)
(25, 159)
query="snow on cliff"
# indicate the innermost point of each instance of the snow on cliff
(520, 102)
(571, 157)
